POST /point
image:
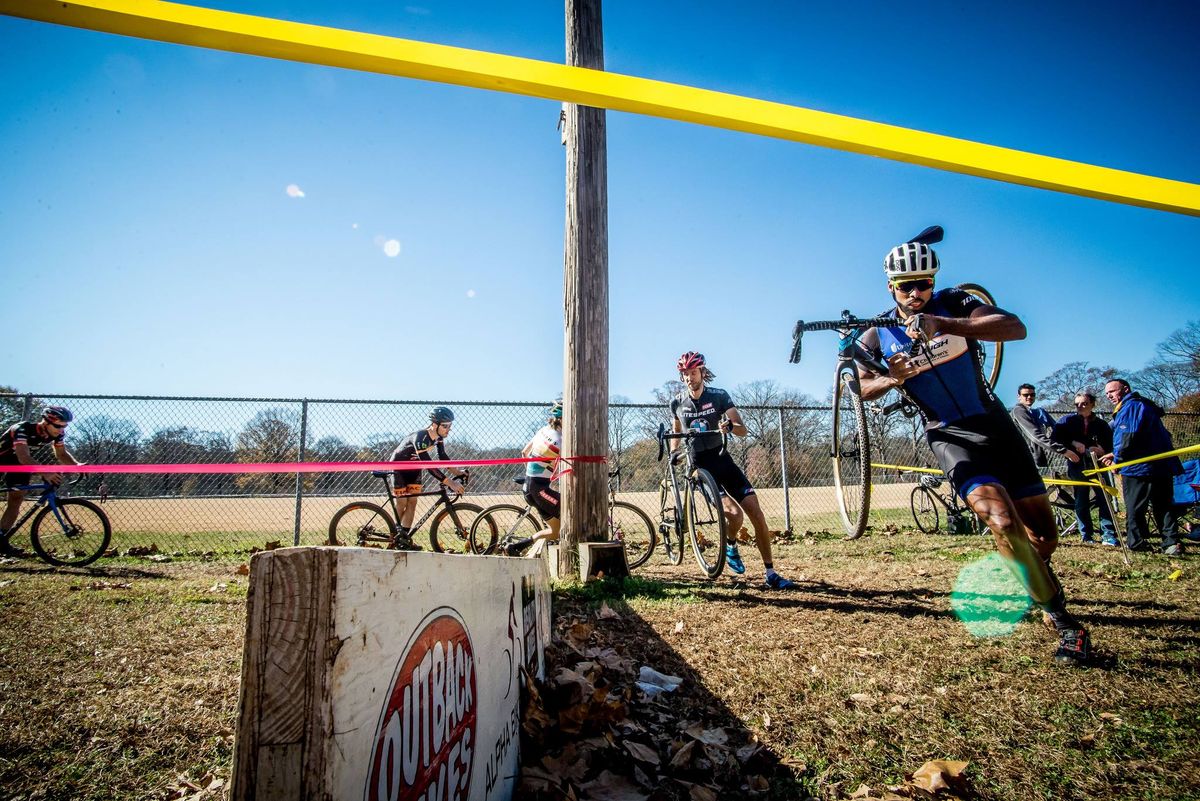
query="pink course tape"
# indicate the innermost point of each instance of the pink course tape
(274, 467)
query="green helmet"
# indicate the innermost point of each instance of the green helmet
(556, 409)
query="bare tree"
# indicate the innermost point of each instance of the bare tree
(1058, 390)
(273, 435)
(1174, 372)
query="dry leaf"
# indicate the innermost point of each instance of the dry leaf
(939, 774)
(642, 753)
(862, 698)
(707, 736)
(243, 569)
(610, 787)
(606, 612)
(766, 720)
(678, 626)
(683, 757)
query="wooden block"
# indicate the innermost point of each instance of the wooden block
(380, 674)
(602, 559)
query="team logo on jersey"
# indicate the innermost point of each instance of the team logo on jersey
(425, 743)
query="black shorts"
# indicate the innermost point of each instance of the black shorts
(729, 476)
(406, 482)
(543, 497)
(986, 449)
(13, 479)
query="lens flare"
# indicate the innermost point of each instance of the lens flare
(391, 248)
(988, 598)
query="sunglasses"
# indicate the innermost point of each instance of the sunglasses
(1084, 403)
(59, 426)
(1028, 395)
(919, 284)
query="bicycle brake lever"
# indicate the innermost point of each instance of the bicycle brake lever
(797, 337)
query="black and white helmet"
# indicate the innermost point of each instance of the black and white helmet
(910, 260)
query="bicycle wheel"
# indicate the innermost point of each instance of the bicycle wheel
(705, 522)
(454, 523)
(75, 534)
(924, 509)
(851, 453)
(630, 525)
(359, 523)
(992, 353)
(500, 524)
(670, 525)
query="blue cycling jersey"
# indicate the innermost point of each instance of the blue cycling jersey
(949, 384)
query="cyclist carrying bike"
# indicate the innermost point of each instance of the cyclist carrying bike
(933, 359)
(406, 485)
(15, 445)
(545, 446)
(700, 407)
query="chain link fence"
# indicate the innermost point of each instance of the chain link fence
(785, 455)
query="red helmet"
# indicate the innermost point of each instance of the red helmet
(689, 360)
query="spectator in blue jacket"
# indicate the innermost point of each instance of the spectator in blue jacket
(1138, 431)
(1084, 432)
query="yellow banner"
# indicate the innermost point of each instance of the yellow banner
(293, 41)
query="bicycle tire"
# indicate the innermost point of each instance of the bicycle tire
(993, 352)
(499, 522)
(466, 514)
(924, 509)
(703, 508)
(80, 524)
(671, 530)
(632, 527)
(851, 454)
(355, 529)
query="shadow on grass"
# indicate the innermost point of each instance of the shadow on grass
(681, 741)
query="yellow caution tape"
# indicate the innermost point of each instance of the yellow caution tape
(314, 44)
(1144, 459)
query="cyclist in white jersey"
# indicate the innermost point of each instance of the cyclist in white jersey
(931, 358)
(546, 446)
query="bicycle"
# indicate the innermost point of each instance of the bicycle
(363, 522)
(66, 532)
(509, 523)
(697, 503)
(960, 519)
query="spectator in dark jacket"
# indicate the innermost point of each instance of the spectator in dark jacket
(1038, 427)
(1138, 431)
(1084, 433)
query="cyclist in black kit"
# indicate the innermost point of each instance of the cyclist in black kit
(15, 445)
(702, 408)
(406, 485)
(932, 356)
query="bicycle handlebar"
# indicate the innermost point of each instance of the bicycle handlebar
(847, 323)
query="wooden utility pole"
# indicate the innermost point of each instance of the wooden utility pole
(585, 299)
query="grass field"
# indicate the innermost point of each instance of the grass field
(121, 681)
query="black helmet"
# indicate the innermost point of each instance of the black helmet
(58, 414)
(441, 414)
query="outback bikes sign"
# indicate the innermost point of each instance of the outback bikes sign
(425, 741)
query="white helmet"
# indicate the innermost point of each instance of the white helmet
(910, 260)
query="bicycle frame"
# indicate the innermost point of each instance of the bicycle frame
(49, 496)
(441, 495)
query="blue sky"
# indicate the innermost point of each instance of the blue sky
(149, 243)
